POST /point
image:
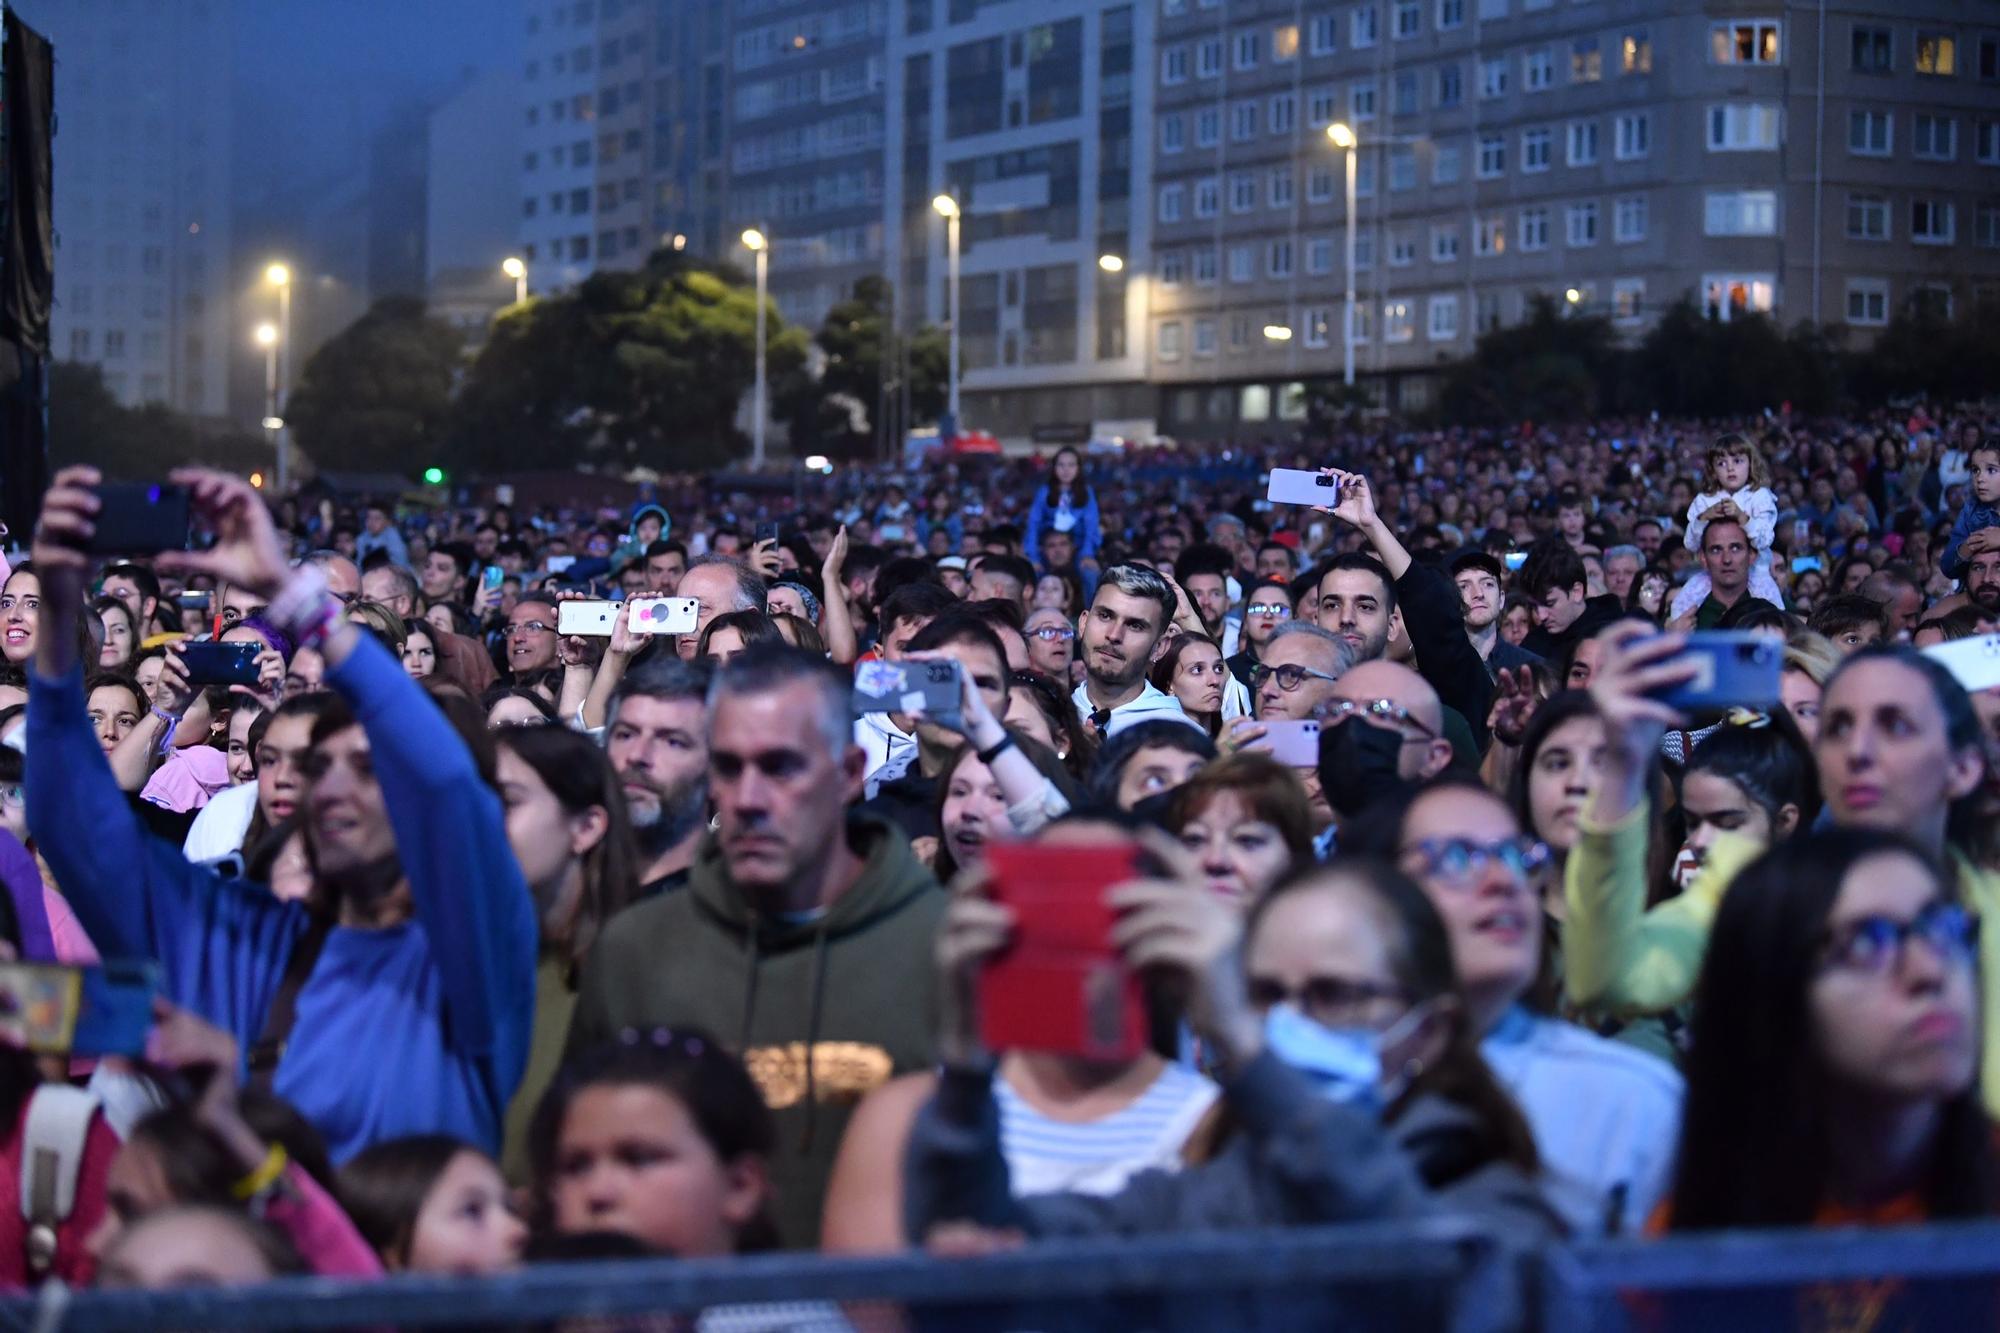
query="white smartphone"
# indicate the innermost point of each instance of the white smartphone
(1295, 486)
(1292, 742)
(664, 615)
(1974, 663)
(589, 619)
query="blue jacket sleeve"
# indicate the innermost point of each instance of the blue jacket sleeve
(221, 945)
(1038, 514)
(1088, 536)
(1967, 524)
(469, 894)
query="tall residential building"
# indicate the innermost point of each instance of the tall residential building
(142, 178)
(1031, 118)
(472, 184)
(1615, 158)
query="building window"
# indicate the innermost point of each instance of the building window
(1173, 268)
(1737, 127)
(1174, 65)
(1399, 323)
(1628, 219)
(1406, 93)
(1635, 136)
(1586, 62)
(1729, 294)
(1168, 344)
(1284, 43)
(1243, 122)
(1450, 14)
(1538, 71)
(1447, 164)
(1635, 53)
(1583, 143)
(1364, 249)
(1740, 213)
(1492, 9)
(1932, 221)
(1492, 156)
(1986, 226)
(1204, 266)
(1444, 245)
(1871, 133)
(1319, 107)
(1580, 221)
(1242, 263)
(1934, 138)
(1207, 127)
(1284, 114)
(1208, 58)
(1409, 18)
(1443, 325)
(1204, 337)
(1485, 312)
(1534, 150)
(1278, 261)
(1989, 59)
(1319, 256)
(1173, 133)
(1242, 191)
(1402, 168)
(1745, 42)
(1280, 193)
(1450, 85)
(1937, 54)
(114, 342)
(1172, 199)
(1493, 78)
(1871, 50)
(1931, 300)
(1628, 299)
(1534, 229)
(1364, 30)
(1319, 185)
(1868, 301)
(1868, 217)
(1317, 322)
(1986, 142)
(1321, 39)
(1249, 49)
(1207, 198)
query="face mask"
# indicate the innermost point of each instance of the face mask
(1357, 766)
(1343, 1064)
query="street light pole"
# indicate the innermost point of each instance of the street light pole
(1343, 138)
(267, 338)
(280, 277)
(517, 269)
(948, 208)
(761, 247)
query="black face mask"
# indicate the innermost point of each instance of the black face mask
(1357, 766)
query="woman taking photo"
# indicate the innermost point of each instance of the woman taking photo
(1066, 504)
(1191, 670)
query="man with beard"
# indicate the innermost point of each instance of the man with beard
(1478, 576)
(1123, 635)
(1982, 583)
(656, 737)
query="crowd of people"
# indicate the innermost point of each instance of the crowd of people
(480, 943)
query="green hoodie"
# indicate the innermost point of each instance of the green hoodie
(856, 984)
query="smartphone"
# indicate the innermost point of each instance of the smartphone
(1734, 669)
(54, 1010)
(194, 601)
(590, 619)
(1292, 742)
(491, 578)
(926, 689)
(1974, 663)
(1061, 985)
(559, 564)
(1801, 563)
(220, 663)
(137, 518)
(1296, 486)
(664, 615)
(767, 532)
(1513, 560)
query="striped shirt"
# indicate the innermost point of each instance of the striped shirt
(1047, 1156)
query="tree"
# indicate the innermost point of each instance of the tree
(87, 424)
(1924, 351)
(378, 396)
(841, 412)
(634, 367)
(1553, 366)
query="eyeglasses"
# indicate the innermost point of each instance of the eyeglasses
(527, 627)
(1333, 1002)
(1386, 711)
(11, 794)
(1876, 944)
(1290, 677)
(1458, 861)
(1275, 610)
(1054, 633)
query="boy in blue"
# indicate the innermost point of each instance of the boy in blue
(414, 1014)
(1978, 526)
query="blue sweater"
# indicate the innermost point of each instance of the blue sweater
(1042, 514)
(1970, 520)
(418, 1028)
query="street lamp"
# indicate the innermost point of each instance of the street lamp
(266, 335)
(947, 208)
(1344, 139)
(1573, 296)
(759, 245)
(1111, 263)
(1278, 333)
(515, 268)
(280, 276)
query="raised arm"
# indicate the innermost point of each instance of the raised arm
(836, 621)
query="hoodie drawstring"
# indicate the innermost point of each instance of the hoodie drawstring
(812, 1034)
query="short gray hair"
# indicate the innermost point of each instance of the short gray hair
(1633, 551)
(1343, 654)
(751, 593)
(764, 667)
(1139, 581)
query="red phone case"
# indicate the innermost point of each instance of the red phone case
(1061, 986)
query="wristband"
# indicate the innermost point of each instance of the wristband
(995, 750)
(266, 1175)
(304, 609)
(173, 725)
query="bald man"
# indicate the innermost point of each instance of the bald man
(1395, 701)
(343, 580)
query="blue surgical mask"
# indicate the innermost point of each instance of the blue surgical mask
(1343, 1064)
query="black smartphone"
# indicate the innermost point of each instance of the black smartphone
(137, 518)
(220, 663)
(767, 532)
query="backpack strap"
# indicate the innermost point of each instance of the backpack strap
(52, 1144)
(269, 1047)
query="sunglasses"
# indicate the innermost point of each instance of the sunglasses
(1459, 860)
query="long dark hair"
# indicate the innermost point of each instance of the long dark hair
(574, 769)
(1563, 706)
(945, 865)
(1755, 1147)
(1768, 760)
(1419, 949)
(384, 1187)
(1079, 491)
(710, 1084)
(1059, 708)
(1162, 674)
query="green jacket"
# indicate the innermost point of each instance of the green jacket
(855, 985)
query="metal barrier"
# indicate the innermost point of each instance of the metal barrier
(1440, 1275)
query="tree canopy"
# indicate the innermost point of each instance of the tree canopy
(377, 397)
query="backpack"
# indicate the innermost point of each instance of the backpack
(56, 1128)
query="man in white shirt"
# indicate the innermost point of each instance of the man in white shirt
(1123, 634)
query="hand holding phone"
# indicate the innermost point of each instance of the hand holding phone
(221, 663)
(1297, 486)
(928, 687)
(663, 615)
(57, 1010)
(141, 519)
(1293, 742)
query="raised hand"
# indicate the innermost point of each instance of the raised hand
(1514, 704)
(1637, 665)
(247, 552)
(1357, 501)
(68, 521)
(765, 560)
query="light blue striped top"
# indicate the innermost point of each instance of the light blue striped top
(1046, 1156)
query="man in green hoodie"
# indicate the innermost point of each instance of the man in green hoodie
(804, 938)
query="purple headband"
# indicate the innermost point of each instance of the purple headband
(274, 636)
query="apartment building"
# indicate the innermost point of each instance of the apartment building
(1036, 120)
(1613, 157)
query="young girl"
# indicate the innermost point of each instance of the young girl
(1066, 504)
(1739, 482)
(431, 1204)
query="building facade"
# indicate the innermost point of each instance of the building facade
(142, 202)
(1037, 123)
(1613, 158)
